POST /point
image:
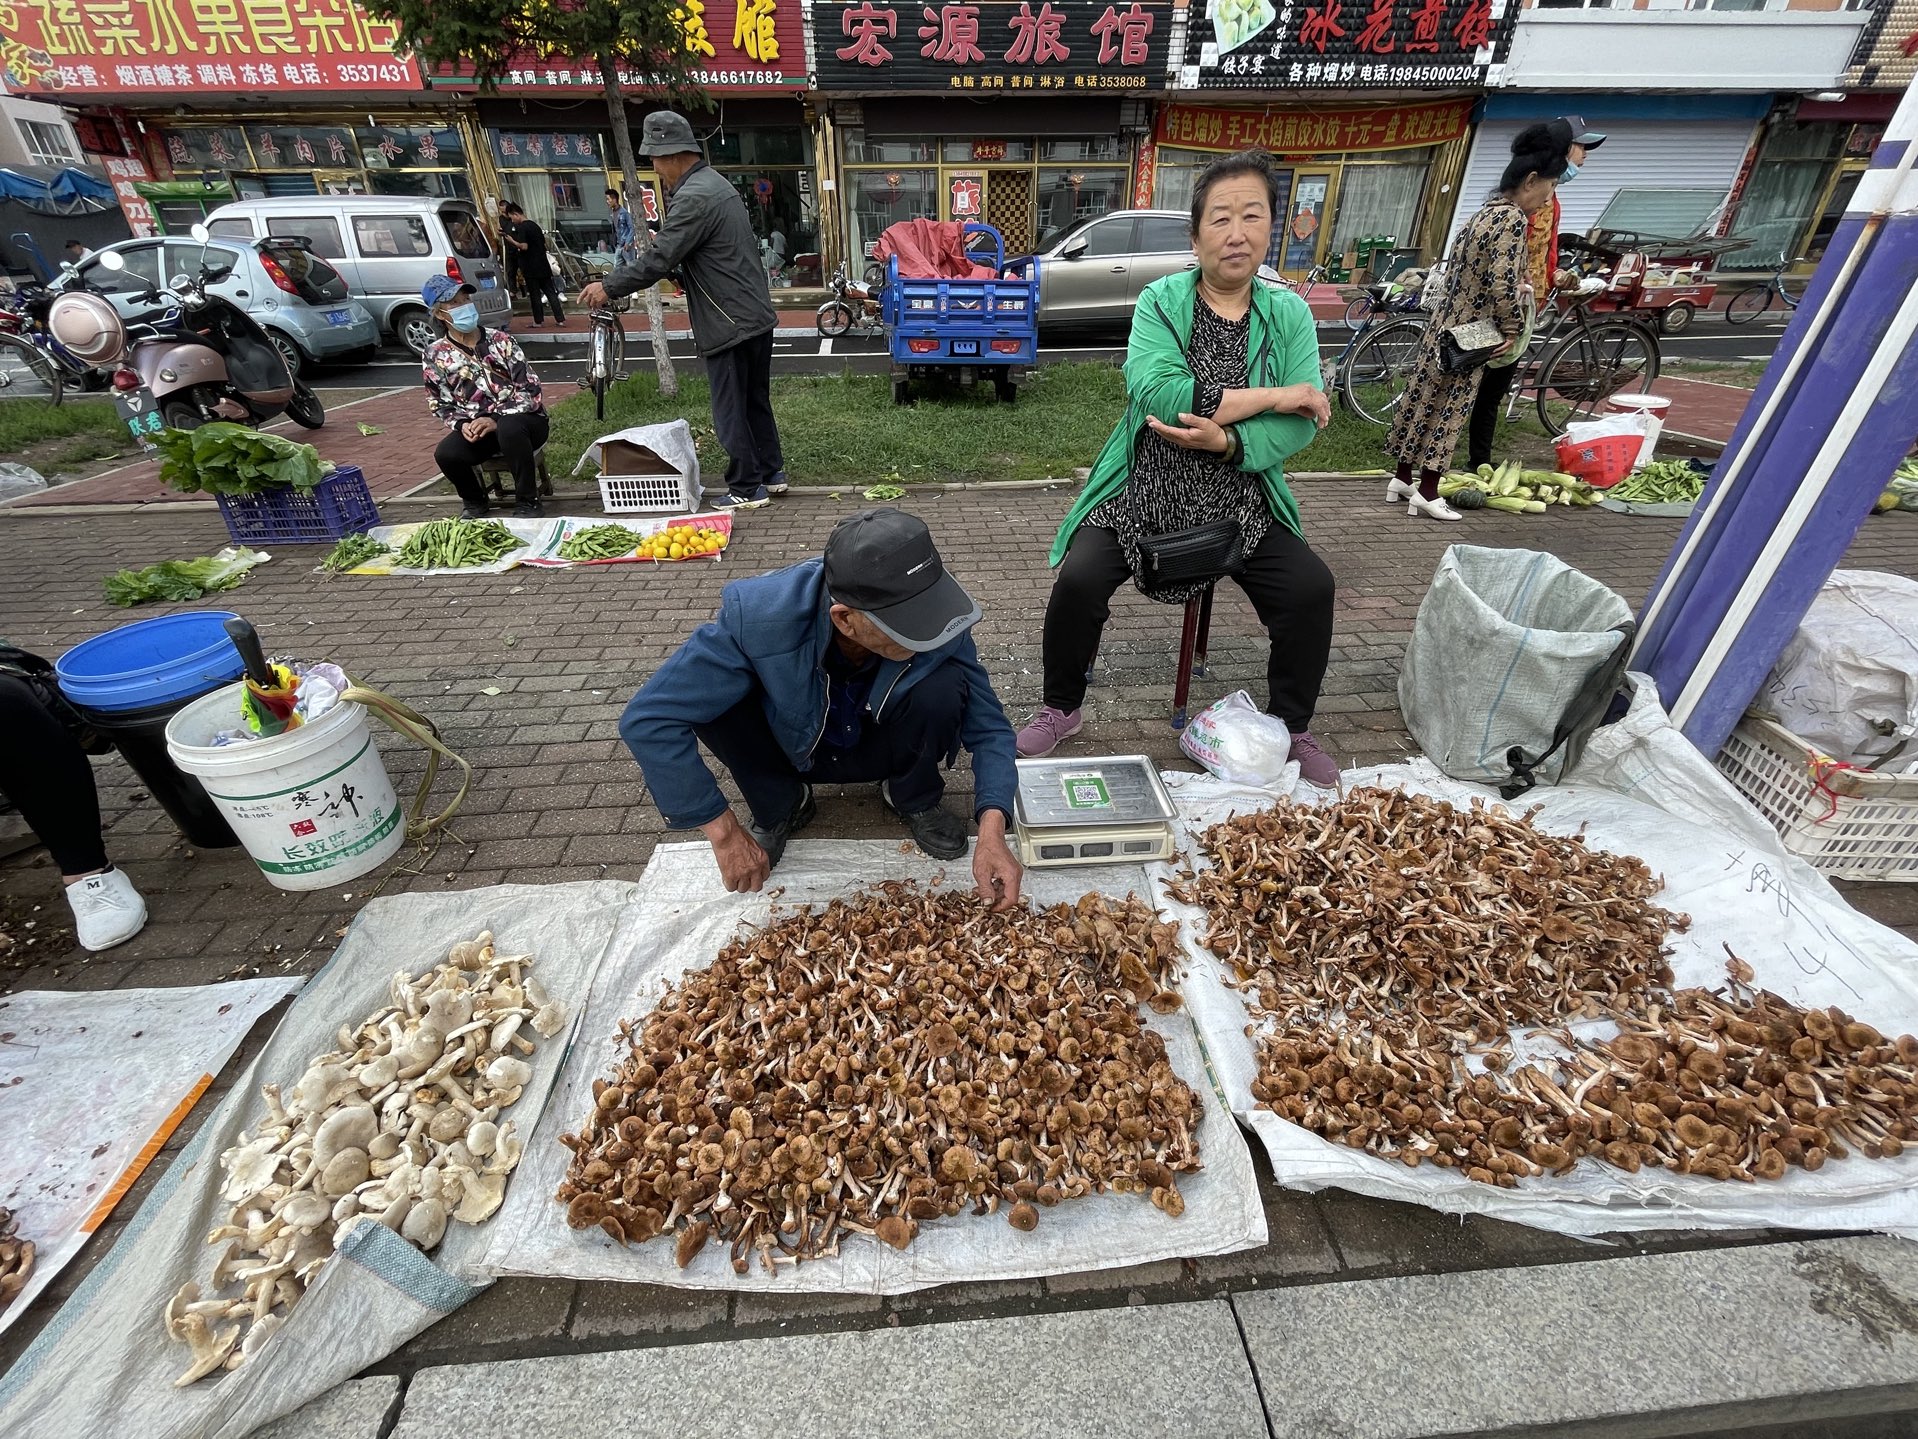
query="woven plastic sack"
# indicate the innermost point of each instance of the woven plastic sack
(1514, 659)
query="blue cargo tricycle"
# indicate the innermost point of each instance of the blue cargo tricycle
(964, 330)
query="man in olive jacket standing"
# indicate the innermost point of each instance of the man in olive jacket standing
(707, 242)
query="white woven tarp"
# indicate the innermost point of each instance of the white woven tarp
(91, 1086)
(1642, 789)
(104, 1366)
(1847, 682)
(683, 921)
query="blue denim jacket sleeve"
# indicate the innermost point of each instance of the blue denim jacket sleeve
(704, 678)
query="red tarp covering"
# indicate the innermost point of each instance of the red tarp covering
(930, 250)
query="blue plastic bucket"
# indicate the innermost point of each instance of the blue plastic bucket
(149, 663)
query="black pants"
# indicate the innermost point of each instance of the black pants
(1493, 387)
(539, 289)
(741, 377)
(45, 773)
(1288, 585)
(920, 731)
(518, 438)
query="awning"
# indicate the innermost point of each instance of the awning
(183, 189)
(66, 189)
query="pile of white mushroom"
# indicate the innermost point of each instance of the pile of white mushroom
(399, 1126)
(16, 1259)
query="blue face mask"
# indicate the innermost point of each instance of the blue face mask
(464, 318)
(1570, 170)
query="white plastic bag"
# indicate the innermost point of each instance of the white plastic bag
(1583, 432)
(1239, 742)
(18, 480)
(1848, 680)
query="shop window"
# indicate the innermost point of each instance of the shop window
(421, 184)
(1088, 147)
(321, 232)
(883, 198)
(566, 197)
(889, 151)
(781, 145)
(1379, 200)
(987, 152)
(1067, 196)
(385, 236)
(47, 144)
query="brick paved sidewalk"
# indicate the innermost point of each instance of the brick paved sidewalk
(555, 797)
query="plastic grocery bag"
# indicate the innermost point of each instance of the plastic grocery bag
(17, 480)
(1514, 659)
(1848, 680)
(1240, 743)
(1602, 452)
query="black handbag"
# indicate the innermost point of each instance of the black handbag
(1464, 348)
(1198, 556)
(39, 677)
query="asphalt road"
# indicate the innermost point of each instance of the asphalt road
(562, 360)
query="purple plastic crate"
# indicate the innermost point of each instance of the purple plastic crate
(340, 505)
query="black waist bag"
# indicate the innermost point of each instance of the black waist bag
(1198, 556)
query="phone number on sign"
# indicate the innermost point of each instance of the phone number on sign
(367, 74)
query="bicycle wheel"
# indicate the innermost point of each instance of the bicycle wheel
(1792, 290)
(1358, 312)
(1748, 305)
(1372, 384)
(26, 374)
(1589, 366)
(599, 369)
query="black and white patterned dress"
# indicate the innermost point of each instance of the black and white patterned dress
(1172, 489)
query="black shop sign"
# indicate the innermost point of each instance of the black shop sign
(1081, 46)
(1334, 44)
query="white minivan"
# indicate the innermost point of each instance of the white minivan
(386, 246)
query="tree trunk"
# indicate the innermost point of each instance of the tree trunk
(642, 234)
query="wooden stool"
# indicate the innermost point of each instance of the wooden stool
(497, 473)
(1194, 634)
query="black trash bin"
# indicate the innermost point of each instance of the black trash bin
(130, 681)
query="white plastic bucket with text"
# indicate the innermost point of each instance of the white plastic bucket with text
(313, 806)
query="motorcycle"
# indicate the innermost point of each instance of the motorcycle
(201, 359)
(852, 309)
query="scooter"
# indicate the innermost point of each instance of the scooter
(204, 358)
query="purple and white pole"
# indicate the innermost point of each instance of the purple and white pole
(1836, 411)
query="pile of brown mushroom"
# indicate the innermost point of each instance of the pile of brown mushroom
(16, 1259)
(399, 1126)
(1394, 943)
(885, 1061)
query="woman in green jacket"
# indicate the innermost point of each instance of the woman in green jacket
(1222, 383)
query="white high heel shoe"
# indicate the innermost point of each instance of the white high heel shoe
(1397, 489)
(1431, 509)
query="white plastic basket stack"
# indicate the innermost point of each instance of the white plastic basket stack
(643, 494)
(1848, 823)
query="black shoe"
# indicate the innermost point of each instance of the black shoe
(475, 512)
(773, 841)
(937, 831)
(528, 509)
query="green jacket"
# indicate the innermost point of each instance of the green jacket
(1159, 382)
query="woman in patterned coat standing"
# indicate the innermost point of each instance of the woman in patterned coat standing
(1486, 280)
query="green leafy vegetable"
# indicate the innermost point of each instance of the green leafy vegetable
(885, 492)
(182, 579)
(352, 552)
(228, 459)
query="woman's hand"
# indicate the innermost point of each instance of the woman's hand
(1198, 433)
(1306, 400)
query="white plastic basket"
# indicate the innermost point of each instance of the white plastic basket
(643, 494)
(1847, 823)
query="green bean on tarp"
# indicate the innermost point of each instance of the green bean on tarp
(1662, 482)
(599, 542)
(456, 544)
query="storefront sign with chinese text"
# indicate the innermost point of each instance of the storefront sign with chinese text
(148, 47)
(1073, 45)
(411, 147)
(545, 150)
(988, 149)
(1314, 132)
(741, 46)
(303, 147)
(210, 147)
(1331, 44)
(967, 193)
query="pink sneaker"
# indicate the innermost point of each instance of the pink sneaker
(1046, 728)
(1315, 765)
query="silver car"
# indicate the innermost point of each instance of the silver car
(1091, 273)
(297, 297)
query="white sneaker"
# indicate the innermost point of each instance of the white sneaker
(107, 910)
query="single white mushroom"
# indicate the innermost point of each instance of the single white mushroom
(344, 1172)
(378, 1072)
(258, 1333)
(507, 1072)
(480, 1195)
(250, 1168)
(187, 1293)
(209, 1349)
(306, 1212)
(482, 1138)
(425, 1223)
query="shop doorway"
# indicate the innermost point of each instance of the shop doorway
(1009, 208)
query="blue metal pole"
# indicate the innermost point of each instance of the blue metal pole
(1837, 409)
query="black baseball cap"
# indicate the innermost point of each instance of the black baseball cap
(1581, 133)
(884, 564)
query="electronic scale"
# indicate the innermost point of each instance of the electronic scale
(1106, 809)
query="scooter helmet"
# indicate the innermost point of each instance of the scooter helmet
(88, 326)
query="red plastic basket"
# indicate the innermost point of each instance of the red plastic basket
(1601, 463)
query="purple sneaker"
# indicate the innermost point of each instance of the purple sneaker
(1315, 765)
(1046, 728)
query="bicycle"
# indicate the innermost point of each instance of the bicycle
(1371, 372)
(1749, 304)
(605, 353)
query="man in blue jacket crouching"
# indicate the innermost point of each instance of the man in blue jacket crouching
(852, 668)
